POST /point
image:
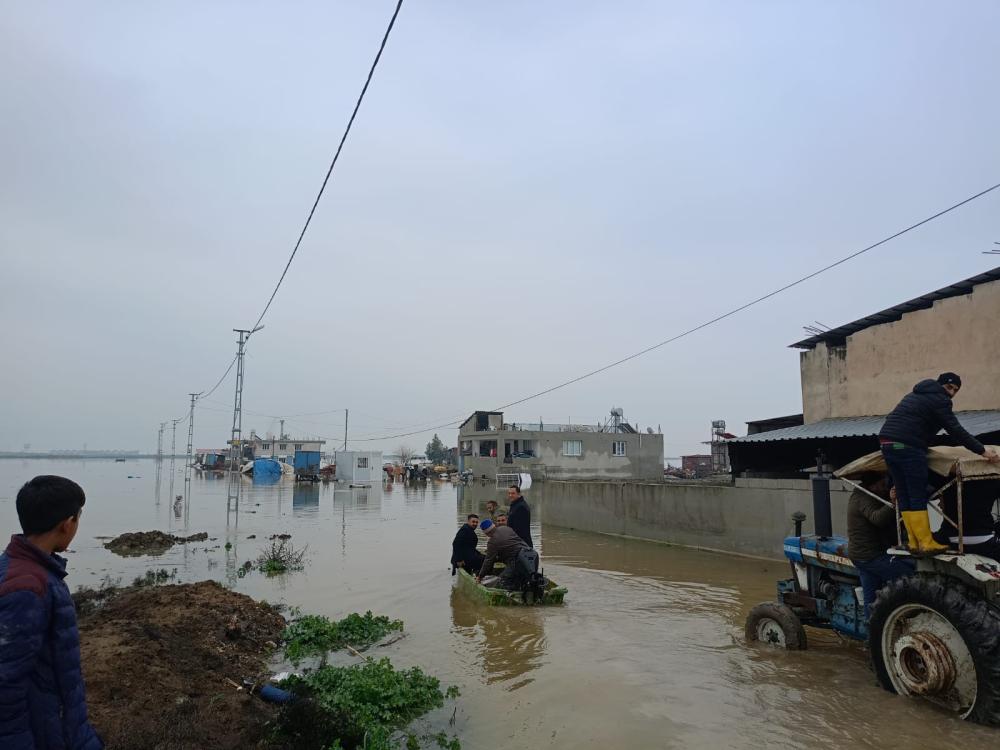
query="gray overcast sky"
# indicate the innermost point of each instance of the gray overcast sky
(531, 190)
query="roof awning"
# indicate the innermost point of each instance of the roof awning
(976, 422)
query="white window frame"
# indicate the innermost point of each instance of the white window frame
(362, 462)
(298, 446)
(267, 446)
(573, 448)
(618, 448)
(283, 447)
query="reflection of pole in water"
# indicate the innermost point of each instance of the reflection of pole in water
(343, 530)
(173, 450)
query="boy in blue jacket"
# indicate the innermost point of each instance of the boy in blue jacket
(42, 702)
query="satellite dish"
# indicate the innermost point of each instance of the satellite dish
(649, 430)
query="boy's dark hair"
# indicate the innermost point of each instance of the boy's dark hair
(46, 501)
(472, 515)
(516, 488)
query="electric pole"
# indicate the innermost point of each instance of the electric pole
(281, 432)
(173, 451)
(190, 454)
(346, 414)
(236, 436)
(159, 459)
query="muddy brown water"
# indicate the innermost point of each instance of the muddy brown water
(647, 652)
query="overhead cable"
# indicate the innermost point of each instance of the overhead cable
(707, 323)
(333, 163)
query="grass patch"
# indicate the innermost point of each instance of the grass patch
(361, 706)
(155, 577)
(314, 635)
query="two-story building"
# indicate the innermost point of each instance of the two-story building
(852, 376)
(487, 446)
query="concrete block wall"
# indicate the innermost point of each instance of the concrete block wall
(750, 517)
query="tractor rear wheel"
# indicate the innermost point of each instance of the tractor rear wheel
(776, 625)
(933, 637)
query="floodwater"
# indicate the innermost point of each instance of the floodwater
(647, 652)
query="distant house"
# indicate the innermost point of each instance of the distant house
(853, 375)
(284, 448)
(487, 446)
(359, 467)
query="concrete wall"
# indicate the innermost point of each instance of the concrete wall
(751, 517)
(643, 457)
(882, 363)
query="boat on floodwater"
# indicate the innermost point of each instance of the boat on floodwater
(554, 593)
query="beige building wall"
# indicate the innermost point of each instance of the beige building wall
(882, 363)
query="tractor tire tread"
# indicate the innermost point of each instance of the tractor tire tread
(795, 634)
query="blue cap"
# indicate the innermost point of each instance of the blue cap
(486, 525)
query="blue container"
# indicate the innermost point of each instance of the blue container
(307, 462)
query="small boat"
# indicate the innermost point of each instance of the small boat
(501, 597)
(119, 460)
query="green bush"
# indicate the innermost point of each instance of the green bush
(314, 635)
(360, 706)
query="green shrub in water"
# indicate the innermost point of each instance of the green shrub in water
(314, 635)
(360, 706)
(155, 577)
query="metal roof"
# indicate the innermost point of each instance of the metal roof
(976, 422)
(838, 336)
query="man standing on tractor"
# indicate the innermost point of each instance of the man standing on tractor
(904, 438)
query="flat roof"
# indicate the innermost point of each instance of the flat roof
(838, 336)
(976, 422)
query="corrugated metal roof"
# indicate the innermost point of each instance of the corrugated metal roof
(976, 422)
(838, 336)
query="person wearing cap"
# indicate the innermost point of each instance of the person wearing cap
(504, 545)
(463, 549)
(904, 438)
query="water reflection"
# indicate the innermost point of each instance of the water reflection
(305, 500)
(508, 643)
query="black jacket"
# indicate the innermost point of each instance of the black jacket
(519, 519)
(463, 548)
(922, 414)
(871, 527)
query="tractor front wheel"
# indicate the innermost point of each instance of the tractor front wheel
(934, 638)
(776, 625)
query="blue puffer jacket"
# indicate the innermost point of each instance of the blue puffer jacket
(42, 703)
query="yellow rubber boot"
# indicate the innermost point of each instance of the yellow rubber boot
(910, 539)
(919, 525)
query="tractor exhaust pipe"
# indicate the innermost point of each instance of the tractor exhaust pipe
(821, 499)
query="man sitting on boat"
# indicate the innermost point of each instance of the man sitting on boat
(504, 545)
(463, 549)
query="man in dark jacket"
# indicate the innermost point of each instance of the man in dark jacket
(871, 530)
(905, 436)
(519, 560)
(519, 514)
(42, 701)
(463, 549)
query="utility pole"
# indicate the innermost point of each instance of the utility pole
(281, 432)
(159, 459)
(346, 414)
(190, 454)
(173, 451)
(236, 436)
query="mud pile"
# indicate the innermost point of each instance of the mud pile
(162, 664)
(149, 542)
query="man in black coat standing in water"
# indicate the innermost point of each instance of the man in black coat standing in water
(463, 549)
(904, 438)
(519, 515)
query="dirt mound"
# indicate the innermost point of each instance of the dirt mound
(158, 664)
(149, 542)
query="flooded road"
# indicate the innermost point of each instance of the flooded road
(647, 652)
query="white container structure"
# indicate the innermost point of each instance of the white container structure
(359, 467)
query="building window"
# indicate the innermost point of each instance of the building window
(618, 448)
(267, 446)
(283, 447)
(363, 462)
(572, 447)
(298, 446)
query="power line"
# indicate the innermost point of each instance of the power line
(708, 323)
(340, 146)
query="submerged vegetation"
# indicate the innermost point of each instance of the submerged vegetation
(155, 577)
(315, 635)
(362, 706)
(280, 557)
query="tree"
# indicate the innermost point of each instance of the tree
(405, 454)
(437, 451)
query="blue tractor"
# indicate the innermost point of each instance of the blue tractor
(933, 635)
